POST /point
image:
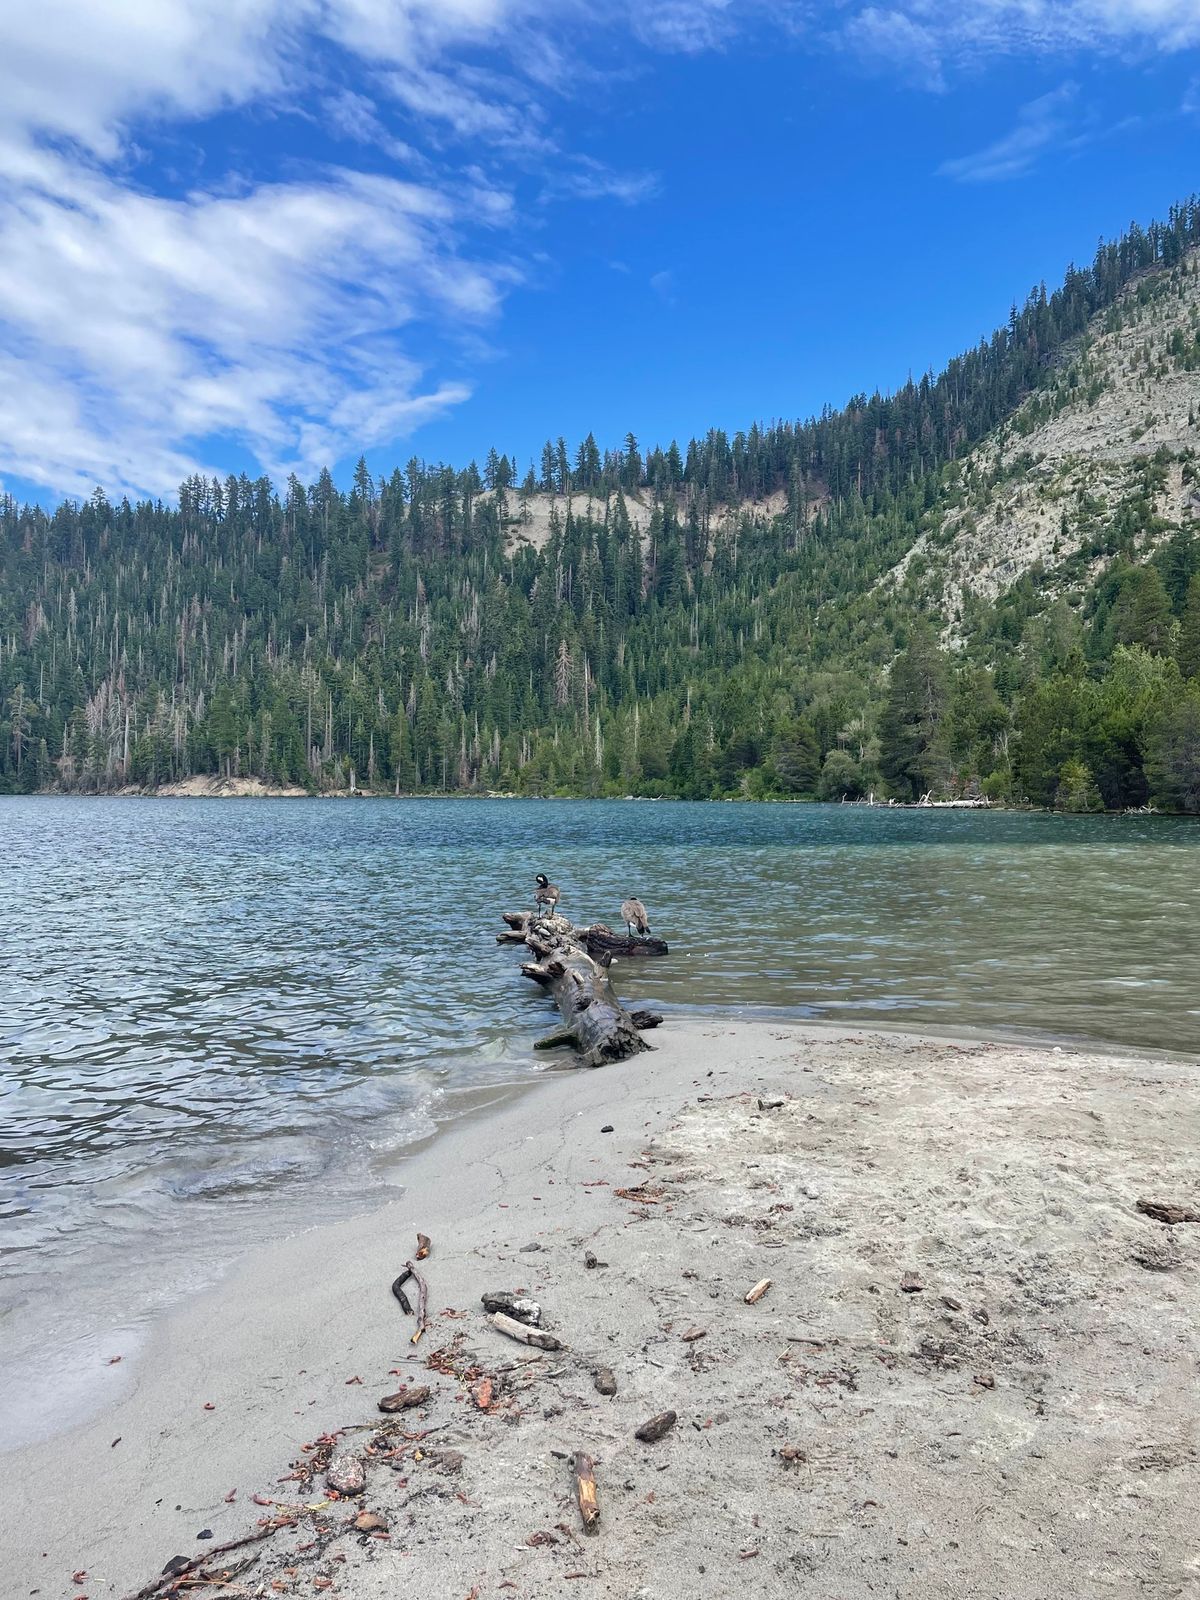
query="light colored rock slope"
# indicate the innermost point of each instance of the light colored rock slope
(528, 521)
(1057, 475)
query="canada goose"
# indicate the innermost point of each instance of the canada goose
(634, 913)
(546, 893)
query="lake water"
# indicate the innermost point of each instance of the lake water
(224, 1020)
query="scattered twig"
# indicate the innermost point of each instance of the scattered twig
(173, 1575)
(760, 1288)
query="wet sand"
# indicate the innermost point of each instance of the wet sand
(973, 1372)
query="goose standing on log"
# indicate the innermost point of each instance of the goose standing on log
(546, 893)
(636, 919)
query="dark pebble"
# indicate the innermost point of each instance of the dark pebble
(205, 1533)
(607, 1128)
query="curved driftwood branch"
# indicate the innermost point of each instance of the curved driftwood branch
(602, 941)
(594, 1020)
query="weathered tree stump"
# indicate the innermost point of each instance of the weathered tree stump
(594, 1021)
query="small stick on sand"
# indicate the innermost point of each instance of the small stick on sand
(206, 1559)
(759, 1289)
(398, 1291)
(422, 1301)
(585, 1491)
(523, 1335)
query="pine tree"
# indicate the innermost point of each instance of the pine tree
(1188, 646)
(912, 757)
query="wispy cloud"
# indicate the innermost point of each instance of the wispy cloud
(663, 284)
(146, 325)
(1041, 125)
(923, 39)
(138, 327)
(685, 25)
(308, 309)
(896, 44)
(585, 178)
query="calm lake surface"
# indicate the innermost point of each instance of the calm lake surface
(222, 1020)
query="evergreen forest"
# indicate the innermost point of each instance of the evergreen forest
(739, 638)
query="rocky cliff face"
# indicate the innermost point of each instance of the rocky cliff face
(1106, 443)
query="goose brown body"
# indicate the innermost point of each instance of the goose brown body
(546, 893)
(636, 920)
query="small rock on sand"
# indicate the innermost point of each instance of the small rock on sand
(516, 1305)
(346, 1475)
(656, 1427)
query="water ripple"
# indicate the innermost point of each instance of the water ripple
(204, 1003)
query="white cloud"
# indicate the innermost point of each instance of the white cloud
(277, 317)
(687, 26)
(1041, 125)
(350, 115)
(930, 35)
(586, 178)
(288, 314)
(79, 70)
(136, 327)
(901, 46)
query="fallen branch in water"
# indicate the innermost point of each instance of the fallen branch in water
(574, 969)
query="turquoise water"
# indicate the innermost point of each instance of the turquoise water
(207, 1006)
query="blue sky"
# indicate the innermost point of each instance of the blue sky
(268, 235)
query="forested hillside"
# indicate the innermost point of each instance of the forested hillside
(989, 580)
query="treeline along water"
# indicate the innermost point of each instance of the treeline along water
(207, 1006)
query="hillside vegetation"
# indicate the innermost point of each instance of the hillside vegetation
(987, 581)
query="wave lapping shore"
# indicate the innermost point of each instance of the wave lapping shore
(971, 1370)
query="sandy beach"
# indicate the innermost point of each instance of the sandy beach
(973, 1371)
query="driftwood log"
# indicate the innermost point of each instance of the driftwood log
(594, 1021)
(600, 940)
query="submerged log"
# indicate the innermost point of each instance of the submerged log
(594, 1020)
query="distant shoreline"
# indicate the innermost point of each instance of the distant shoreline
(197, 788)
